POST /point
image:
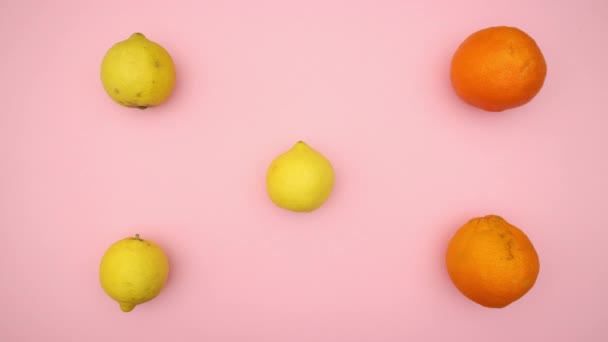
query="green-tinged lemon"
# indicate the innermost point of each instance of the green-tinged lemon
(138, 72)
(133, 271)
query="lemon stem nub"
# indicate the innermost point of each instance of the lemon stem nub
(137, 237)
(126, 307)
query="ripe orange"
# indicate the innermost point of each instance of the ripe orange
(498, 68)
(492, 262)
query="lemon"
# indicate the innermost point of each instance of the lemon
(133, 271)
(138, 72)
(300, 179)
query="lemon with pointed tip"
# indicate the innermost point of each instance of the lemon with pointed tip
(138, 72)
(300, 179)
(133, 271)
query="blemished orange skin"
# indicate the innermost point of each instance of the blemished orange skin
(498, 68)
(492, 262)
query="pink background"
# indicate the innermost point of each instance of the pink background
(364, 82)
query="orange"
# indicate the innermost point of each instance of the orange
(492, 262)
(498, 68)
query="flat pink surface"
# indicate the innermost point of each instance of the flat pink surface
(364, 82)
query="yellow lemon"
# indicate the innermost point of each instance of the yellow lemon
(133, 271)
(138, 72)
(300, 179)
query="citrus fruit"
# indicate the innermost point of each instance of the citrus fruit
(491, 261)
(498, 68)
(138, 72)
(300, 179)
(133, 271)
